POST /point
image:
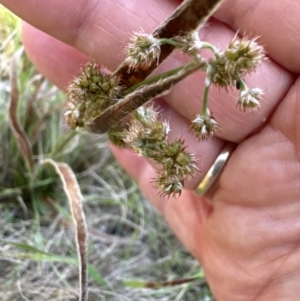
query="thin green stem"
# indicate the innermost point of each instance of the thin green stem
(205, 100)
(156, 78)
(62, 145)
(209, 46)
(205, 45)
(170, 42)
(130, 102)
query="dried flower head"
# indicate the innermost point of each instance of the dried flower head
(219, 74)
(90, 93)
(190, 43)
(146, 131)
(241, 56)
(147, 135)
(244, 55)
(204, 126)
(249, 99)
(143, 50)
(168, 186)
(177, 166)
(177, 162)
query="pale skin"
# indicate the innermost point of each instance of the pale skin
(245, 232)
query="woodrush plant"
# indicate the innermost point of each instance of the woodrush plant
(95, 90)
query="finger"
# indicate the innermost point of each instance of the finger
(276, 22)
(271, 159)
(58, 61)
(93, 25)
(260, 191)
(77, 22)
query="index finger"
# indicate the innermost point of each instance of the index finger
(72, 22)
(277, 22)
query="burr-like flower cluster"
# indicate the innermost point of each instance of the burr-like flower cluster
(177, 166)
(244, 55)
(249, 99)
(89, 94)
(190, 43)
(241, 57)
(94, 91)
(147, 135)
(204, 126)
(142, 51)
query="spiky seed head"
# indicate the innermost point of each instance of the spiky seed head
(249, 99)
(189, 43)
(177, 162)
(147, 135)
(244, 55)
(204, 126)
(90, 93)
(168, 186)
(146, 131)
(240, 57)
(142, 51)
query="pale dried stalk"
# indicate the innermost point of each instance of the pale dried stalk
(19, 133)
(72, 190)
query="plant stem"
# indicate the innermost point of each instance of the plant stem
(171, 42)
(115, 113)
(205, 101)
(209, 46)
(63, 144)
(157, 78)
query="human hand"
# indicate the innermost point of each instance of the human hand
(246, 233)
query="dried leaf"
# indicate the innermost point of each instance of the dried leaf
(18, 131)
(72, 190)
